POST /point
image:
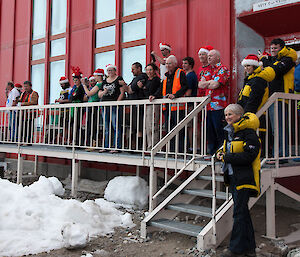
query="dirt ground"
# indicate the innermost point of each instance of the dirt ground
(127, 243)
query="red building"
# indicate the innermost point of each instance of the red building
(41, 39)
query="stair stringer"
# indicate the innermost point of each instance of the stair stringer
(224, 220)
(175, 196)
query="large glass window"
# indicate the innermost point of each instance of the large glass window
(38, 79)
(58, 47)
(58, 16)
(105, 36)
(134, 30)
(39, 19)
(133, 6)
(102, 59)
(57, 70)
(105, 10)
(130, 56)
(38, 51)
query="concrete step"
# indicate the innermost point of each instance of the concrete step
(218, 178)
(205, 193)
(191, 209)
(176, 226)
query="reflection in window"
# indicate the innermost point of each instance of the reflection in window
(134, 30)
(58, 47)
(58, 17)
(105, 10)
(57, 70)
(38, 51)
(130, 56)
(105, 36)
(102, 59)
(39, 19)
(38, 80)
(133, 6)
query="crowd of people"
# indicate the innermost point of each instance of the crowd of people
(265, 74)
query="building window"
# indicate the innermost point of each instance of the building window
(37, 80)
(102, 59)
(39, 19)
(129, 56)
(57, 70)
(48, 46)
(133, 6)
(105, 36)
(58, 17)
(120, 39)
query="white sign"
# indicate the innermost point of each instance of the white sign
(272, 3)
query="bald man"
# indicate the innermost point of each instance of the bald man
(216, 84)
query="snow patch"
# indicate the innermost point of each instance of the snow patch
(127, 190)
(33, 219)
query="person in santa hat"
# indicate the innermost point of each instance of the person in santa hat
(112, 89)
(64, 93)
(77, 92)
(255, 92)
(95, 81)
(204, 68)
(166, 52)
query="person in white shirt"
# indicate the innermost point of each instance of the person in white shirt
(12, 98)
(166, 52)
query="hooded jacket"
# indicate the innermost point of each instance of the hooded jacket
(283, 66)
(255, 91)
(244, 155)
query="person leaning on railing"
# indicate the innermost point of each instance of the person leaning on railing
(92, 115)
(241, 156)
(112, 90)
(27, 98)
(173, 86)
(282, 61)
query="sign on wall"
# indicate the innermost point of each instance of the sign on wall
(271, 4)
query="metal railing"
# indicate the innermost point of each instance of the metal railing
(127, 126)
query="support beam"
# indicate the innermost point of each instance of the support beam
(79, 168)
(137, 171)
(20, 169)
(287, 192)
(270, 212)
(75, 169)
(36, 158)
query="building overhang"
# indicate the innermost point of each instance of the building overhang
(273, 21)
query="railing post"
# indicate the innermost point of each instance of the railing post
(20, 169)
(36, 158)
(270, 211)
(74, 178)
(152, 184)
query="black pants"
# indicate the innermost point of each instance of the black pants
(92, 117)
(173, 122)
(242, 236)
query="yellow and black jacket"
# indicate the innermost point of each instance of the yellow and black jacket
(244, 155)
(283, 66)
(255, 91)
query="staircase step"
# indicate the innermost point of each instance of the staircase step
(205, 193)
(176, 226)
(192, 209)
(218, 178)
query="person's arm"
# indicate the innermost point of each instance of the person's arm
(160, 60)
(91, 92)
(102, 92)
(184, 85)
(213, 84)
(256, 95)
(284, 65)
(251, 150)
(121, 96)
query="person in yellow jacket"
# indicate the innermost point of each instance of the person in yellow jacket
(173, 86)
(282, 61)
(241, 157)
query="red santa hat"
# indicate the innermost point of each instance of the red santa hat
(99, 72)
(251, 59)
(17, 85)
(110, 66)
(91, 77)
(76, 72)
(205, 49)
(63, 80)
(163, 46)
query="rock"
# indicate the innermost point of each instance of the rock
(262, 245)
(294, 253)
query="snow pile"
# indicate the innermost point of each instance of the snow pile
(127, 190)
(33, 219)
